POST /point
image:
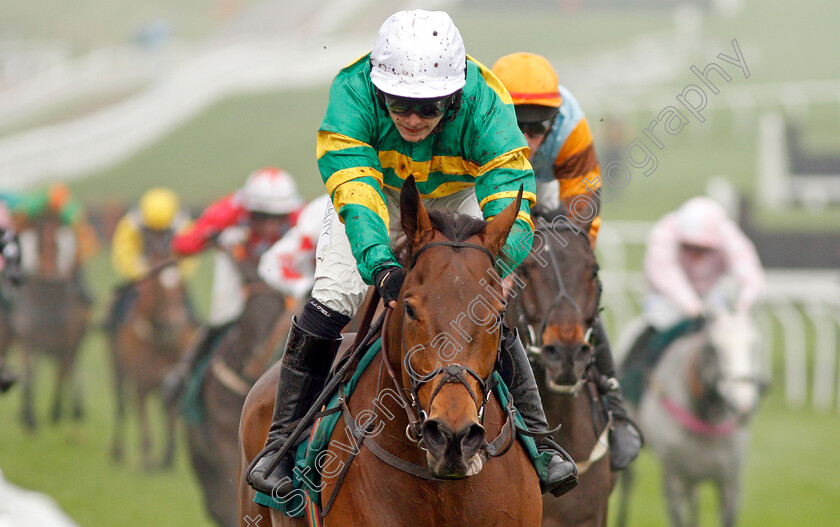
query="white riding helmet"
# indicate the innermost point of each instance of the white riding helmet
(699, 222)
(270, 190)
(418, 54)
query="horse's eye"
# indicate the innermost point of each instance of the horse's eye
(409, 311)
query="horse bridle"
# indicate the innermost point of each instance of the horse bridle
(535, 343)
(453, 374)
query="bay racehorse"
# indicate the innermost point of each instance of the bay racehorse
(696, 411)
(244, 353)
(425, 403)
(50, 314)
(154, 331)
(554, 308)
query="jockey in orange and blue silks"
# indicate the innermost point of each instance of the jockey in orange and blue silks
(562, 151)
(567, 171)
(415, 105)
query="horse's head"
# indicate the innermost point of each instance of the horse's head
(445, 330)
(558, 304)
(162, 304)
(730, 366)
(50, 247)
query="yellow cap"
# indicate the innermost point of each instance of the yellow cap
(529, 78)
(158, 208)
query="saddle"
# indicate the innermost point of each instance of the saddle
(646, 352)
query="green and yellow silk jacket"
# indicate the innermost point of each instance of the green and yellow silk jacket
(360, 151)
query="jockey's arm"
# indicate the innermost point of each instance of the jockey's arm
(664, 271)
(216, 218)
(745, 265)
(127, 250)
(576, 165)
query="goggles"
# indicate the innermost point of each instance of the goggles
(425, 108)
(536, 129)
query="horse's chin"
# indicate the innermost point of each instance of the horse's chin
(458, 470)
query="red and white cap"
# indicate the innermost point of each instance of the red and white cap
(272, 191)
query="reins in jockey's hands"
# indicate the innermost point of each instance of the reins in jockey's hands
(388, 282)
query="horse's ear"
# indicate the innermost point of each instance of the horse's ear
(413, 216)
(497, 230)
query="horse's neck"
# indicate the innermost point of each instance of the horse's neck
(678, 378)
(573, 411)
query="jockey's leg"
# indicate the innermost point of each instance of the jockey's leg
(80, 281)
(310, 349)
(203, 344)
(7, 379)
(562, 471)
(313, 341)
(625, 437)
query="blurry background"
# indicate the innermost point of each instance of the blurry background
(115, 96)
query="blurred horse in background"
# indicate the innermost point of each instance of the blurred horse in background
(51, 312)
(150, 338)
(554, 312)
(696, 411)
(244, 353)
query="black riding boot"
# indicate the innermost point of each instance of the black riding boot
(625, 438)
(305, 365)
(7, 379)
(562, 471)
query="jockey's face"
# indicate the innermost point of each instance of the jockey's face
(414, 128)
(269, 227)
(535, 133)
(534, 142)
(695, 252)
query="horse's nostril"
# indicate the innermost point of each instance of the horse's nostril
(436, 435)
(471, 439)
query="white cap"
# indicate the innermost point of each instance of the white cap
(418, 54)
(699, 222)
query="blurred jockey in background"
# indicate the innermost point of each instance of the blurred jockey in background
(242, 226)
(77, 239)
(289, 266)
(566, 171)
(142, 239)
(9, 247)
(689, 252)
(9, 276)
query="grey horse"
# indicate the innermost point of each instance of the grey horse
(696, 412)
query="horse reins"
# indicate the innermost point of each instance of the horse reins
(535, 338)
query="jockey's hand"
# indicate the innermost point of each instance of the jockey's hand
(388, 282)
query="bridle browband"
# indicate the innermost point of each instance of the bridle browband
(457, 245)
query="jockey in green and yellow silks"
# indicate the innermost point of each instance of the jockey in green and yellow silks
(416, 105)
